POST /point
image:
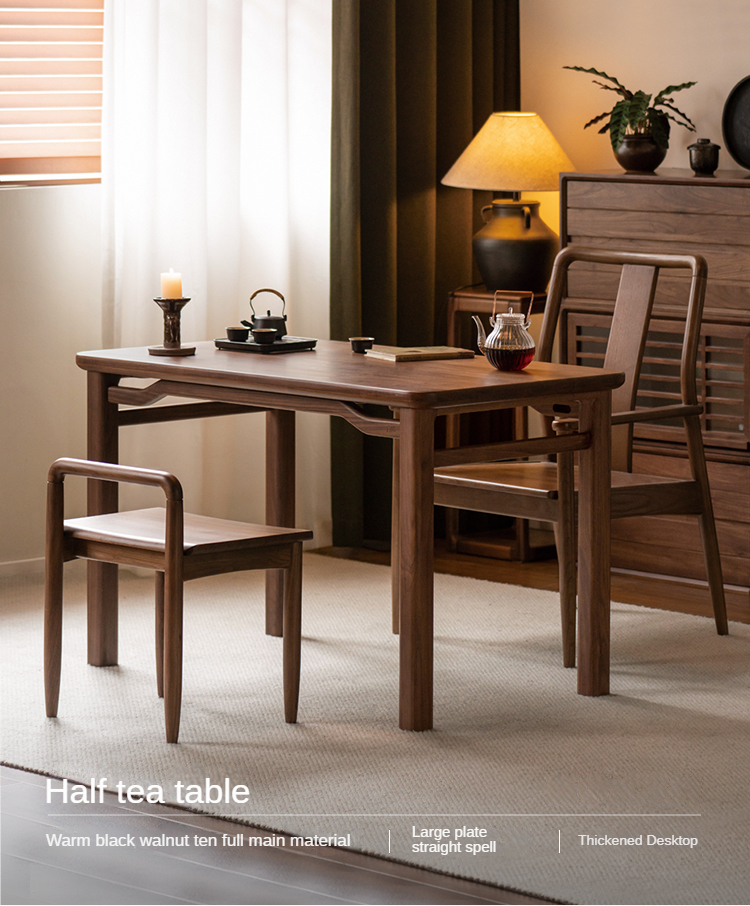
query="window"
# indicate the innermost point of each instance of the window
(50, 90)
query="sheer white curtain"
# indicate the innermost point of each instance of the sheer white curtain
(216, 162)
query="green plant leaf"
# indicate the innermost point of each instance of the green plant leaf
(625, 93)
(690, 125)
(679, 122)
(618, 123)
(598, 119)
(663, 94)
(609, 78)
(659, 123)
(637, 111)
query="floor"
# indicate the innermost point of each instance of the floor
(684, 596)
(34, 872)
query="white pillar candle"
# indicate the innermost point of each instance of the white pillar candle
(171, 285)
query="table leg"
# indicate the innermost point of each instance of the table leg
(594, 529)
(280, 503)
(452, 427)
(103, 446)
(395, 520)
(416, 552)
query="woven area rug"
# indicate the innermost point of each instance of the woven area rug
(550, 776)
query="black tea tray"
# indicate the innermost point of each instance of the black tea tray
(285, 344)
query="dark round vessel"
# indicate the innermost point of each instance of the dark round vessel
(516, 248)
(640, 154)
(704, 157)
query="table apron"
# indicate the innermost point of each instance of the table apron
(259, 400)
(255, 400)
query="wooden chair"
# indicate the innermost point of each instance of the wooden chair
(546, 491)
(179, 546)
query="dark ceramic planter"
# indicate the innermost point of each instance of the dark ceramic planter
(639, 154)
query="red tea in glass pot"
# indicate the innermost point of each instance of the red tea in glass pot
(509, 346)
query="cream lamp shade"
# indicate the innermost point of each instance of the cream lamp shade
(512, 152)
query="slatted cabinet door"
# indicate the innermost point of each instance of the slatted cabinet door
(723, 355)
(661, 544)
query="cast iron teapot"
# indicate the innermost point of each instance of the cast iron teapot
(268, 321)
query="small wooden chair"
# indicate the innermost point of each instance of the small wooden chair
(547, 491)
(179, 546)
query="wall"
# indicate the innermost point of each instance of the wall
(50, 290)
(646, 44)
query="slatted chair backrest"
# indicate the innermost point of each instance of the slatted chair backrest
(630, 323)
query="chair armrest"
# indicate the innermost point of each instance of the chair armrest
(647, 415)
(109, 471)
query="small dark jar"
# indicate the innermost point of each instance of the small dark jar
(704, 157)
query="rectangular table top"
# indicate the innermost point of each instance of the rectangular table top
(333, 371)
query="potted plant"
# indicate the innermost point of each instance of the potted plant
(638, 124)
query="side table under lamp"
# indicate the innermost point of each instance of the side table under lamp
(513, 152)
(518, 541)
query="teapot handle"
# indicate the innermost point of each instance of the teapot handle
(515, 293)
(268, 289)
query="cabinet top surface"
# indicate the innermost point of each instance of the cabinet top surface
(676, 176)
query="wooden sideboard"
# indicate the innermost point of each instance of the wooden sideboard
(673, 211)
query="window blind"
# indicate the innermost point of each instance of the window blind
(50, 88)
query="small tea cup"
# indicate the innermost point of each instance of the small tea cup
(264, 335)
(238, 333)
(361, 344)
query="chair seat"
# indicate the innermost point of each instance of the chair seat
(144, 529)
(535, 479)
(539, 480)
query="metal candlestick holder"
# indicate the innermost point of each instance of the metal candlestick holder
(172, 346)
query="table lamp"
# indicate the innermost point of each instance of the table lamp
(512, 153)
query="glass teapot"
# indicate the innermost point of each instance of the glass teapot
(510, 346)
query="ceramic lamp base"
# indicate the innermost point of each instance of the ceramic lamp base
(515, 249)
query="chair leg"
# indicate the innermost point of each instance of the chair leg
(707, 525)
(53, 599)
(566, 536)
(53, 595)
(567, 572)
(173, 592)
(159, 633)
(395, 532)
(292, 633)
(713, 571)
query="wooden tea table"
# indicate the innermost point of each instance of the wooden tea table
(333, 380)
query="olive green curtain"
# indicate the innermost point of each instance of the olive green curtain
(413, 81)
